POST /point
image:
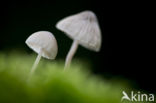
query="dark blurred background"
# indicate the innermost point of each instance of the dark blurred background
(127, 48)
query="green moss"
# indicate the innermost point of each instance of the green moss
(50, 84)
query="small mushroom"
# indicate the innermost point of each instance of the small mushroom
(84, 29)
(43, 43)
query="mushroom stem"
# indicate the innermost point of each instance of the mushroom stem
(71, 53)
(36, 62)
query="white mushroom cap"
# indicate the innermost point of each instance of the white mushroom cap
(45, 41)
(84, 28)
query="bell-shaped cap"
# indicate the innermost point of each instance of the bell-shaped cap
(45, 41)
(84, 28)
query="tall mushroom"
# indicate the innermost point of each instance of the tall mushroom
(43, 43)
(84, 29)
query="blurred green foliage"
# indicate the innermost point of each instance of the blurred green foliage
(50, 84)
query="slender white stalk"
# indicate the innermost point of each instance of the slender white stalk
(36, 63)
(71, 53)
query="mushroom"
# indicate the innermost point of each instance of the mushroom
(43, 43)
(84, 29)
